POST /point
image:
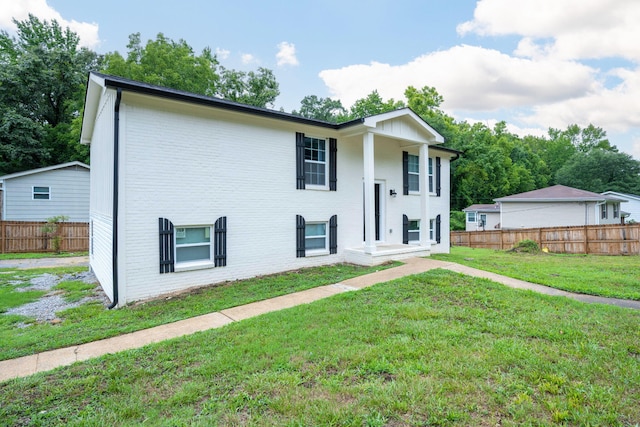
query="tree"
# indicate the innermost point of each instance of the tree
(371, 105)
(326, 109)
(600, 170)
(43, 76)
(259, 89)
(172, 64)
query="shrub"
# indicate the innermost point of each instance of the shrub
(527, 246)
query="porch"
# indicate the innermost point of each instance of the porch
(382, 253)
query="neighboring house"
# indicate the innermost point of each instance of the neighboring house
(482, 217)
(189, 190)
(38, 194)
(558, 206)
(631, 209)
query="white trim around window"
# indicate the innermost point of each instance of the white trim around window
(414, 174)
(40, 193)
(472, 217)
(414, 231)
(316, 163)
(194, 246)
(316, 238)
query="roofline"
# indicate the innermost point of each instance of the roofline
(179, 95)
(560, 199)
(627, 195)
(44, 169)
(448, 150)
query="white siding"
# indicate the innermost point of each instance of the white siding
(192, 165)
(493, 222)
(101, 215)
(69, 195)
(555, 214)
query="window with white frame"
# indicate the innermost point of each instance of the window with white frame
(193, 244)
(431, 175)
(414, 231)
(41, 193)
(603, 209)
(471, 217)
(616, 210)
(414, 173)
(432, 229)
(315, 161)
(315, 236)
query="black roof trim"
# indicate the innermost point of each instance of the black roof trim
(448, 150)
(179, 95)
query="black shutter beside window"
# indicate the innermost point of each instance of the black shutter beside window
(300, 246)
(167, 258)
(438, 229)
(333, 167)
(300, 161)
(333, 235)
(405, 173)
(405, 229)
(438, 167)
(220, 242)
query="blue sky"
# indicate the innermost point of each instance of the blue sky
(532, 63)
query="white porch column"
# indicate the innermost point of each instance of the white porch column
(425, 240)
(369, 197)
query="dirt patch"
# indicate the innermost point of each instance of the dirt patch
(45, 308)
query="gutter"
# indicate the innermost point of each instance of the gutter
(116, 173)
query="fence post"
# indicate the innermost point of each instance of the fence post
(586, 240)
(2, 236)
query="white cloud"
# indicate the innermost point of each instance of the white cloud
(286, 54)
(468, 77)
(248, 59)
(20, 10)
(222, 53)
(567, 29)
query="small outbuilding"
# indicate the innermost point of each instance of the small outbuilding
(39, 194)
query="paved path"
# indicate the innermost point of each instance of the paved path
(48, 360)
(45, 262)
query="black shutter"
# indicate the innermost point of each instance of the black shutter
(333, 235)
(167, 258)
(438, 229)
(438, 167)
(220, 242)
(300, 161)
(405, 229)
(405, 173)
(333, 166)
(300, 247)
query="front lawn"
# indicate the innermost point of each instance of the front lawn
(92, 321)
(607, 276)
(437, 348)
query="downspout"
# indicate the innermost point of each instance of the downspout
(116, 172)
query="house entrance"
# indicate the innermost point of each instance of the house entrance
(378, 210)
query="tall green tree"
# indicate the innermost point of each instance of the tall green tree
(326, 109)
(43, 74)
(370, 105)
(600, 170)
(174, 64)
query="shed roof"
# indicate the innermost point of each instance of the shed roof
(558, 193)
(483, 208)
(44, 169)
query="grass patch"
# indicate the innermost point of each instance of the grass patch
(607, 276)
(92, 321)
(432, 349)
(75, 290)
(36, 255)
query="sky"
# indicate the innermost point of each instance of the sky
(534, 64)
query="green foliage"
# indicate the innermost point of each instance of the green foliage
(436, 349)
(600, 170)
(325, 109)
(52, 230)
(527, 246)
(371, 105)
(173, 64)
(43, 76)
(458, 220)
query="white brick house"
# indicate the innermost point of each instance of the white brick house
(188, 190)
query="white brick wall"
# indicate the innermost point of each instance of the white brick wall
(193, 164)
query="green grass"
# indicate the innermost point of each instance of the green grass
(35, 255)
(437, 349)
(608, 276)
(92, 321)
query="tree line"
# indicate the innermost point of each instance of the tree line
(43, 74)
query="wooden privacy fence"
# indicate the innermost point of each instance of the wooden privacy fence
(26, 236)
(612, 239)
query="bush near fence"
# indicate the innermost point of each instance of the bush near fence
(614, 239)
(27, 236)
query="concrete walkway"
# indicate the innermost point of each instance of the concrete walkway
(48, 360)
